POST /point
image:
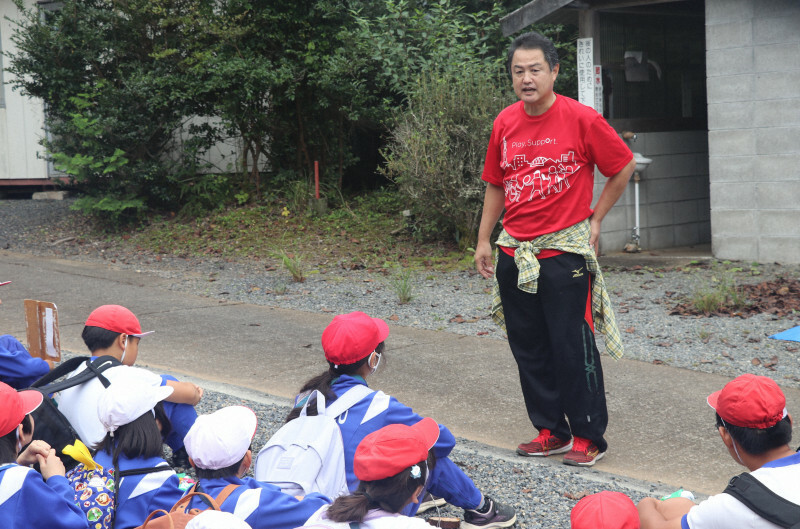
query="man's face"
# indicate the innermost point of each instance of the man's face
(533, 80)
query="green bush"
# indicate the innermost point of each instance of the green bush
(111, 212)
(436, 152)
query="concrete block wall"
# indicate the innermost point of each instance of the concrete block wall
(753, 68)
(673, 194)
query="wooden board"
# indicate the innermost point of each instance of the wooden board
(41, 322)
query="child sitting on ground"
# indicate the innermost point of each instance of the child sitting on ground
(113, 330)
(130, 412)
(27, 498)
(392, 465)
(219, 450)
(354, 344)
(604, 510)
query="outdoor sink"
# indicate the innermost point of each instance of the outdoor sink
(641, 161)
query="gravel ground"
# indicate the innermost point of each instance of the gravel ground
(543, 492)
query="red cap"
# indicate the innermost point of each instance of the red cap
(351, 337)
(14, 405)
(116, 318)
(750, 401)
(605, 510)
(394, 448)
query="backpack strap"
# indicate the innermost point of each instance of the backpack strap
(213, 503)
(140, 471)
(763, 501)
(349, 398)
(94, 369)
(100, 364)
(227, 491)
(64, 368)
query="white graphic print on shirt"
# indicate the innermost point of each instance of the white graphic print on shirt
(542, 175)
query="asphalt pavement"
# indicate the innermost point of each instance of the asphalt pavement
(661, 431)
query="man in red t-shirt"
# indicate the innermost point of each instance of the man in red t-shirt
(540, 169)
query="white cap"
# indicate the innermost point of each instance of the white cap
(126, 400)
(220, 439)
(211, 519)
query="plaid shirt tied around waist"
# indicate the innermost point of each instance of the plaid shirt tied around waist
(574, 239)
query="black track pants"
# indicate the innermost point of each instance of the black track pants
(559, 365)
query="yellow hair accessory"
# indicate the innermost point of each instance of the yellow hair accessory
(79, 452)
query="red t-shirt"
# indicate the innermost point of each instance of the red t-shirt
(546, 165)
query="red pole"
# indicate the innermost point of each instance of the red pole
(316, 179)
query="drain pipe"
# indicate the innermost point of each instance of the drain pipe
(633, 246)
(636, 179)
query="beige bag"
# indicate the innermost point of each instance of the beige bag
(178, 517)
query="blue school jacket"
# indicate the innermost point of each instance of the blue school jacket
(19, 369)
(140, 495)
(261, 505)
(27, 501)
(373, 413)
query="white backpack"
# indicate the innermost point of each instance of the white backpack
(307, 454)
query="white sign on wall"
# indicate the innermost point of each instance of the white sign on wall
(586, 81)
(598, 88)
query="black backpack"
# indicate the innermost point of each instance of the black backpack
(50, 425)
(762, 501)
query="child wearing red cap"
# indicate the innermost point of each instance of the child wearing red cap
(604, 510)
(353, 344)
(27, 498)
(756, 429)
(114, 330)
(392, 465)
(18, 368)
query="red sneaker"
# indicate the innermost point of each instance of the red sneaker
(584, 453)
(544, 445)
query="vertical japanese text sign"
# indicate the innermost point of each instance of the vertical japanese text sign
(586, 82)
(598, 88)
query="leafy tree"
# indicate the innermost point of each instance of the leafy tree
(436, 151)
(94, 63)
(449, 66)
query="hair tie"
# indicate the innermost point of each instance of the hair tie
(416, 473)
(369, 498)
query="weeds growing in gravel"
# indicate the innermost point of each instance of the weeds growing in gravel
(280, 288)
(721, 292)
(402, 284)
(294, 264)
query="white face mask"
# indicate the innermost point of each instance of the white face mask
(732, 442)
(124, 348)
(19, 444)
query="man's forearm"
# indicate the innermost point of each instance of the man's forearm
(493, 204)
(613, 189)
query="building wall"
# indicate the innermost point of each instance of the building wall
(20, 117)
(753, 67)
(673, 195)
(22, 123)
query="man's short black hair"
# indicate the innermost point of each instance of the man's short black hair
(97, 338)
(757, 441)
(533, 41)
